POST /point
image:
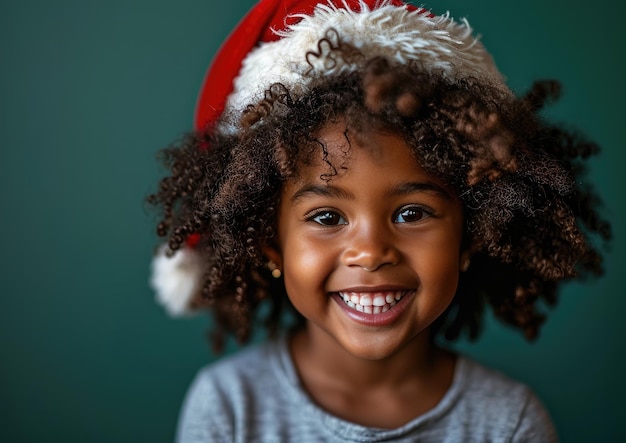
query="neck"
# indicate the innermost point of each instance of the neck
(320, 359)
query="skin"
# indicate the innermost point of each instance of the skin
(380, 224)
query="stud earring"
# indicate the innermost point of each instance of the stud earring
(273, 267)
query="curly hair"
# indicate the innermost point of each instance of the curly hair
(530, 220)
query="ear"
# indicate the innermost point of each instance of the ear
(464, 261)
(272, 252)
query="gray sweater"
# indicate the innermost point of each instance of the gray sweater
(256, 396)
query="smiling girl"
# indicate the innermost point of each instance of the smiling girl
(364, 166)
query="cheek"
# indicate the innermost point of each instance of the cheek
(438, 286)
(438, 272)
(306, 265)
(445, 288)
(305, 254)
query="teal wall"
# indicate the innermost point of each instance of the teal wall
(90, 90)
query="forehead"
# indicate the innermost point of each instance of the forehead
(372, 164)
(338, 149)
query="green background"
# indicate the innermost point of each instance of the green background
(90, 90)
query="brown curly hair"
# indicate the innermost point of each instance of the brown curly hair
(530, 218)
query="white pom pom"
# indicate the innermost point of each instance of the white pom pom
(176, 279)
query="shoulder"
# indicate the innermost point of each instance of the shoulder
(241, 366)
(499, 405)
(223, 391)
(237, 377)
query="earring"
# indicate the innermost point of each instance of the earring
(465, 264)
(273, 267)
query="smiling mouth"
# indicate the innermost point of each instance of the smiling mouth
(372, 302)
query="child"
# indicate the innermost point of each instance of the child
(363, 165)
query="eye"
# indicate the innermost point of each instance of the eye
(411, 214)
(327, 218)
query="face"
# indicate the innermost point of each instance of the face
(371, 256)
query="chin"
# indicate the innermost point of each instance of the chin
(372, 347)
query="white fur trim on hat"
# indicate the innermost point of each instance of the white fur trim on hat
(438, 43)
(176, 279)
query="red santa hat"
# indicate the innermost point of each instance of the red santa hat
(278, 42)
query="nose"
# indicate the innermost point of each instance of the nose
(371, 247)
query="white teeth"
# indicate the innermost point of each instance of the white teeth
(366, 300)
(372, 303)
(379, 300)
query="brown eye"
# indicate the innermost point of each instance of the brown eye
(328, 218)
(411, 214)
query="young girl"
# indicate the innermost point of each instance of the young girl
(363, 165)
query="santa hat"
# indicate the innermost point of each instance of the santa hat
(278, 42)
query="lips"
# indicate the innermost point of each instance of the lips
(372, 302)
(377, 308)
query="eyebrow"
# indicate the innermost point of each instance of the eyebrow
(401, 189)
(415, 187)
(311, 190)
